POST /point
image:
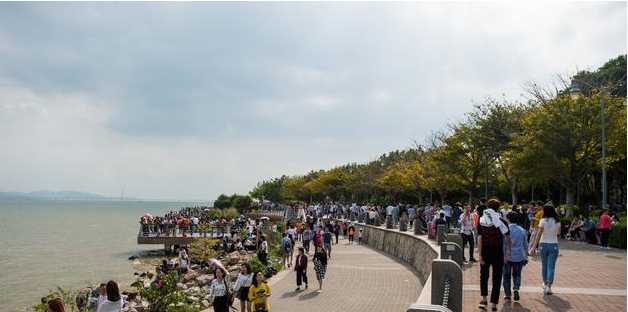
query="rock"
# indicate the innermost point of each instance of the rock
(193, 299)
(205, 303)
(204, 279)
(132, 257)
(190, 276)
(137, 283)
(136, 273)
(143, 274)
(131, 293)
(182, 286)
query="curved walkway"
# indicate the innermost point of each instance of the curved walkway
(358, 279)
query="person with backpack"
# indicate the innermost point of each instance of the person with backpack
(286, 250)
(491, 231)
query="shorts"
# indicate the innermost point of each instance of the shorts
(243, 293)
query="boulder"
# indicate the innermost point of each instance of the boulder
(205, 303)
(204, 279)
(131, 293)
(193, 299)
(188, 277)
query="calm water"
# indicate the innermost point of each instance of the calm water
(45, 244)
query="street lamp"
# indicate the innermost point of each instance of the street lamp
(575, 94)
(575, 91)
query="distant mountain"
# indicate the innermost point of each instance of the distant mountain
(50, 194)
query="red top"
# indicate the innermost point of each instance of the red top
(605, 222)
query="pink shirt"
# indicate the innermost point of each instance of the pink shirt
(605, 221)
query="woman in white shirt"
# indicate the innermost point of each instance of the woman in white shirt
(114, 300)
(242, 286)
(547, 240)
(219, 289)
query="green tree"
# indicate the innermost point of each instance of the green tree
(222, 202)
(561, 139)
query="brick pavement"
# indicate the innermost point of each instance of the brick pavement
(586, 279)
(359, 279)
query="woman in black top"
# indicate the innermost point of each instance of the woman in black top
(320, 265)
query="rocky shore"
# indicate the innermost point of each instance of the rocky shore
(195, 282)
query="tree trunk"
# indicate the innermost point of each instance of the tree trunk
(470, 199)
(569, 200)
(513, 193)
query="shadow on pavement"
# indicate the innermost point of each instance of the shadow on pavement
(309, 295)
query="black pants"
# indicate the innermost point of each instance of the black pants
(605, 234)
(220, 304)
(351, 238)
(301, 275)
(467, 239)
(262, 258)
(492, 257)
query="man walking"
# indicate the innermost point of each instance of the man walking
(327, 242)
(518, 258)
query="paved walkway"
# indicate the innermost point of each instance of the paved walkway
(358, 279)
(586, 279)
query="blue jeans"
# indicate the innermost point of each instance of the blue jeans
(512, 269)
(549, 254)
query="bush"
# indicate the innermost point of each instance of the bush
(203, 248)
(68, 296)
(618, 236)
(230, 213)
(222, 202)
(241, 202)
(214, 214)
(163, 295)
(256, 265)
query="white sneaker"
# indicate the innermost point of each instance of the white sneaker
(549, 290)
(544, 289)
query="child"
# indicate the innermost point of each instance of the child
(360, 237)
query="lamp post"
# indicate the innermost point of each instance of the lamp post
(575, 94)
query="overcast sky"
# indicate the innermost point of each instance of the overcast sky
(190, 100)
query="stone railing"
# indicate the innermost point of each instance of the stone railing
(437, 265)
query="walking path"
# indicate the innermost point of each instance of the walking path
(586, 279)
(359, 278)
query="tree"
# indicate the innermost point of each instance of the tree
(222, 202)
(269, 190)
(561, 139)
(499, 123)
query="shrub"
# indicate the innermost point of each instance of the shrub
(222, 202)
(241, 202)
(164, 295)
(203, 248)
(214, 213)
(256, 265)
(230, 213)
(68, 296)
(618, 236)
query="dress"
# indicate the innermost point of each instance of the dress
(320, 265)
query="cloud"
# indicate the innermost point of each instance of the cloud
(195, 99)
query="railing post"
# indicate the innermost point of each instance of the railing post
(447, 284)
(441, 231)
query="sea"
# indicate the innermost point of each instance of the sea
(73, 244)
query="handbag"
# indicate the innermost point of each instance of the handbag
(230, 298)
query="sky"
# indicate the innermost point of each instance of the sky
(191, 100)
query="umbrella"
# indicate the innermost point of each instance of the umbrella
(216, 262)
(148, 215)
